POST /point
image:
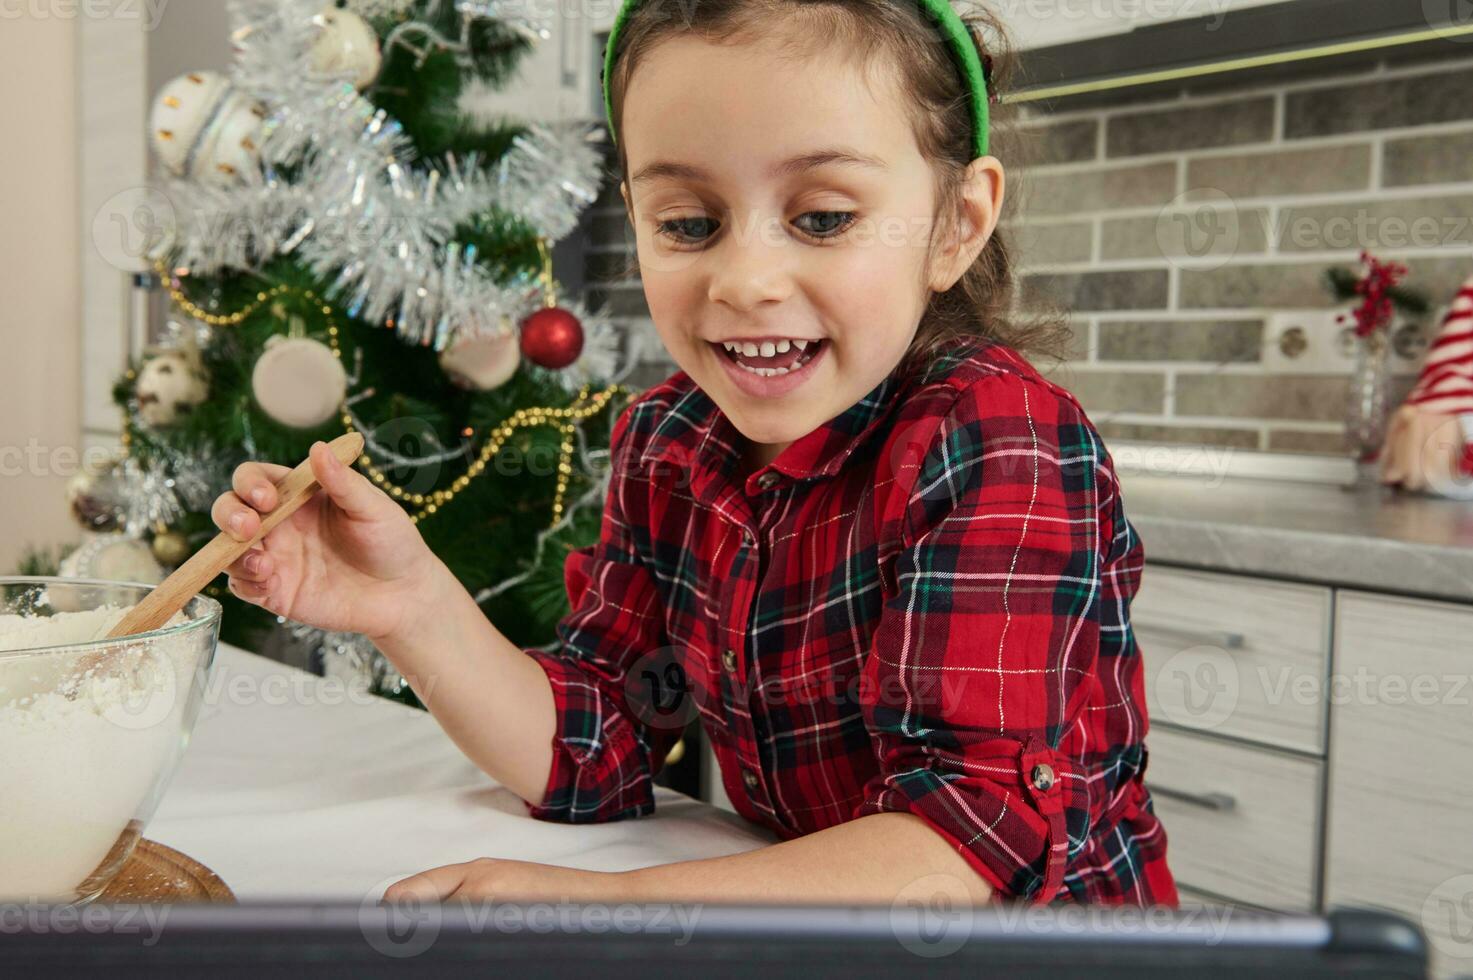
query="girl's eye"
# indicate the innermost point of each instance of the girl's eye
(828, 227)
(682, 230)
(830, 224)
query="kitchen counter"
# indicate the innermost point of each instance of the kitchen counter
(1373, 537)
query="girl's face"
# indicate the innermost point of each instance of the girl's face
(782, 205)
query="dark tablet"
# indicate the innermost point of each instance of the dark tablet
(644, 941)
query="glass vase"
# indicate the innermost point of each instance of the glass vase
(1366, 405)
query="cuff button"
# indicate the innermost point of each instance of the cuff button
(1043, 776)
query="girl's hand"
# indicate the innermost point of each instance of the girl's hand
(349, 559)
(509, 881)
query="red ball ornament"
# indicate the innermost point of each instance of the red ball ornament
(552, 338)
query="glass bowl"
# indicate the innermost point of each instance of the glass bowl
(91, 731)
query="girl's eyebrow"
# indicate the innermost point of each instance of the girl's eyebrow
(842, 155)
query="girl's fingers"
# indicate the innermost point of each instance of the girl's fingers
(232, 515)
(253, 566)
(254, 592)
(255, 483)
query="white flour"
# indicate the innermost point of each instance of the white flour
(77, 771)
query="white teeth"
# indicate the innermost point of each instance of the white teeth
(768, 349)
(764, 372)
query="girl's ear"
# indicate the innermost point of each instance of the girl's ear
(983, 188)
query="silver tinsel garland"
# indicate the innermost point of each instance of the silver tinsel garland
(362, 211)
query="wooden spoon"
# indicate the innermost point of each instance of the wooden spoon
(170, 595)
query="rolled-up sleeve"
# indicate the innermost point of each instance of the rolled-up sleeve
(603, 757)
(985, 654)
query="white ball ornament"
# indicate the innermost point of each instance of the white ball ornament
(298, 382)
(113, 558)
(203, 128)
(482, 362)
(170, 384)
(347, 47)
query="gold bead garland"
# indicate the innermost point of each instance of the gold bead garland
(215, 319)
(562, 418)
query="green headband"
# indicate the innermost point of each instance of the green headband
(958, 42)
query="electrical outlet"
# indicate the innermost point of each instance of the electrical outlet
(1317, 342)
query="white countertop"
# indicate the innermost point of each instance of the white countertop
(1371, 537)
(294, 787)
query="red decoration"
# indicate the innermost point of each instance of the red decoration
(552, 338)
(1374, 311)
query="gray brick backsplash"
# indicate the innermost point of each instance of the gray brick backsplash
(1439, 278)
(619, 301)
(1277, 286)
(1061, 142)
(1444, 158)
(1191, 232)
(647, 375)
(1190, 127)
(1304, 397)
(1037, 244)
(1312, 170)
(1135, 186)
(1217, 341)
(1107, 392)
(1113, 289)
(1306, 441)
(1181, 434)
(1384, 103)
(1387, 224)
(611, 229)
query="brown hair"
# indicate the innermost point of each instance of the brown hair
(980, 304)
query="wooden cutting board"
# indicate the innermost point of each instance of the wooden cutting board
(156, 873)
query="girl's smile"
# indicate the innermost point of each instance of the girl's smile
(768, 368)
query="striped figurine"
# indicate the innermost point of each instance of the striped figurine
(1429, 443)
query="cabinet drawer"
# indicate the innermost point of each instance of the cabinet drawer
(1234, 655)
(1402, 751)
(1241, 822)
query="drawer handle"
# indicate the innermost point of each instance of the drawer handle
(1218, 638)
(1209, 801)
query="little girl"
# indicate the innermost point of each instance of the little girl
(889, 557)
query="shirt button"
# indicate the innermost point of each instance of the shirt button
(1043, 776)
(749, 779)
(768, 480)
(728, 660)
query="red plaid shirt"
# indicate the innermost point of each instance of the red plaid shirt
(919, 606)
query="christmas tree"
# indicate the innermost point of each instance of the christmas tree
(346, 249)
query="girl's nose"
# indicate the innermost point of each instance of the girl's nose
(754, 266)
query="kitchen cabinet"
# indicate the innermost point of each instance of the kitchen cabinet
(1312, 746)
(1400, 828)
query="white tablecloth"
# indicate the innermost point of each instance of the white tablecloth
(294, 787)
